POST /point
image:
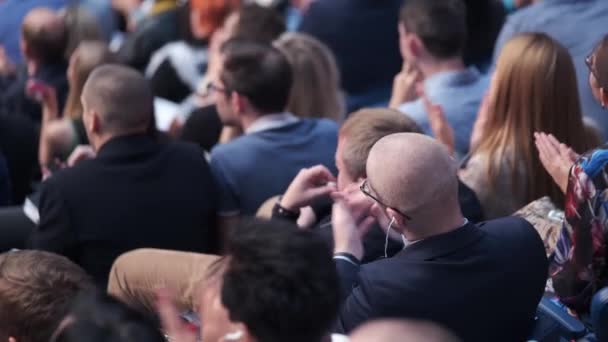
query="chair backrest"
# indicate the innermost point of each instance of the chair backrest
(599, 314)
(553, 323)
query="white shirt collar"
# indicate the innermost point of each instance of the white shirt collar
(271, 121)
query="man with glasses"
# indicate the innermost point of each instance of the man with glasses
(252, 91)
(481, 281)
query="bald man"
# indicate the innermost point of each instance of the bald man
(481, 281)
(137, 192)
(401, 331)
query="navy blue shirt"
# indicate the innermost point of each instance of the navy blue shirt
(364, 37)
(257, 166)
(578, 25)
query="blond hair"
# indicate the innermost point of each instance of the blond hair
(315, 92)
(534, 90)
(87, 56)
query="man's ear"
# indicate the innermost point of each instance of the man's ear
(604, 98)
(95, 122)
(399, 220)
(416, 46)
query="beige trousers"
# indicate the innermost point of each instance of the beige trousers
(136, 275)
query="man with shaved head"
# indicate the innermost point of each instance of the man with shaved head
(137, 192)
(481, 281)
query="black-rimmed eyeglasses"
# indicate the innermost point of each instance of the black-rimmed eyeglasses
(366, 190)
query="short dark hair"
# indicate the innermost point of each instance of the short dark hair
(280, 282)
(36, 291)
(47, 44)
(258, 71)
(440, 24)
(98, 317)
(122, 96)
(260, 24)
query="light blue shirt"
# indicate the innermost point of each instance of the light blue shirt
(578, 25)
(459, 93)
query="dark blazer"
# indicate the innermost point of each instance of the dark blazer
(482, 282)
(137, 193)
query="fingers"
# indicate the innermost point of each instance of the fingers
(321, 173)
(366, 225)
(170, 319)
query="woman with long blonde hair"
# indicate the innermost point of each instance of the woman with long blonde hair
(316, 88)
(534, 89)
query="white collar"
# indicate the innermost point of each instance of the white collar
(271, 121)
(407, 243)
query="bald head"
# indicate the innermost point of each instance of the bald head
(401, 331)
(415, 174)
(121, 97)
(44, 36)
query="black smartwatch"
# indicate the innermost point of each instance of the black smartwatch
(278, 212)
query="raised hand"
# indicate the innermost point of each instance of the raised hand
(557, 158)
(404, 85)
(442, 130)
(309, 185)
(348, 233)
(173, 326)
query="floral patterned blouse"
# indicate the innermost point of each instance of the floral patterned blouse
(579, 267)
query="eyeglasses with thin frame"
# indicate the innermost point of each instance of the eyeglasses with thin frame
(366, 190)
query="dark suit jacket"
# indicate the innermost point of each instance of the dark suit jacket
(136, 193)
(482, 282)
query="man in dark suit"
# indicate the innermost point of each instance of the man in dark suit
(137, 192)
(481, 281)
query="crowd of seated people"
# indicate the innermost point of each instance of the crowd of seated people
(301, 170)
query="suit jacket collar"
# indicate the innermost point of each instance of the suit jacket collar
(127, 147)
(443, 244)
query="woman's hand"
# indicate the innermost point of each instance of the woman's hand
(442, 130)
(557, 158)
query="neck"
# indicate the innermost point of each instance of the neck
(32, 68)
(247, 119)
(438, 225)
(431, 68)
(98, 142)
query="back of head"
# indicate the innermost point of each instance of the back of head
(402, 331)
(259, 72)
(415, 174)
(316, 86)
(257, 23)
(97, 317)
(440, 24)
(87, 56)
(45, 36)
(363, 129)
(36, 291)
(534, 90)
(81, 26)
(122, 98)
(280, 282)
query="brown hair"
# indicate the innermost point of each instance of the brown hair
(364, 128)
(600, 63)
(534, 90)
(87, 56)
(48, 42)
(316, 85)
(36, 290)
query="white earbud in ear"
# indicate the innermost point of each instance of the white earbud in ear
(234, 336)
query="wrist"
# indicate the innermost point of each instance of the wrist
(356, 253)
(348, 258)
(287, 204)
